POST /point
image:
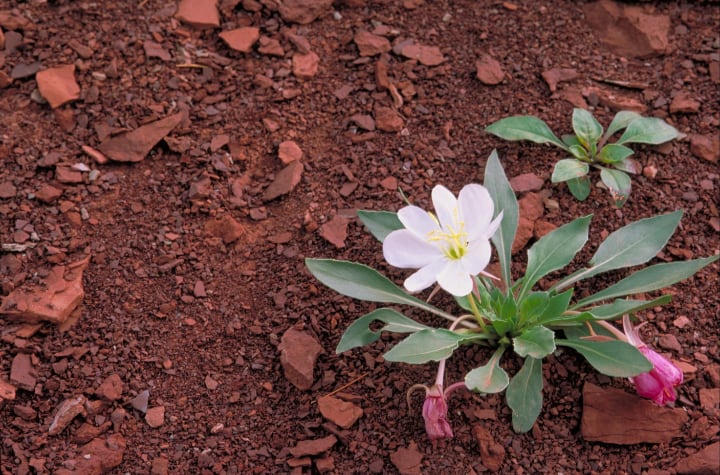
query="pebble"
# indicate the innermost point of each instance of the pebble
(155, 416)
(199, 13)
(57, 85)
(488, 70)
(241, 39)
(298, 354)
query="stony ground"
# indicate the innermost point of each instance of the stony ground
(168, 165)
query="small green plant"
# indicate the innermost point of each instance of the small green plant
(589, 147)
(452, 247)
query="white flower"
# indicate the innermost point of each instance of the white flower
(449, 247)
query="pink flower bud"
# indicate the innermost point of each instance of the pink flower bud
(435, 414)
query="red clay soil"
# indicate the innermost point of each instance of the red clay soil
(197, 239)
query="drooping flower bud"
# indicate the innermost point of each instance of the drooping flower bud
(435, 414)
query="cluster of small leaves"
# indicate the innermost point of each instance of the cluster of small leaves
(526, 320)
(589, 147)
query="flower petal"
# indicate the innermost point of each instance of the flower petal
(455, 279)
(493, 227)
(476, 208)
(446, 207)
(630, 333)
(477, 257)
(417, 220)
(404, 249)
(426, 276)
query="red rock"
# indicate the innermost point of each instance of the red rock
(364, 121)
(553, 76)
(270, 46)
(616, 417)
(7, 392)
(615, 102)
(313, 447)
(407, 460)
(684, 104)
(325, 464)
(489, 71)
(704, 462)
(218, 142)
(300, 42)
(155, 50)
(22, 372)
(199, 290)
(335, 231)
(670, 342)
(58, 85)
(100, 456)
(199, 13)
(492, 453)
(285, 181)
(390, 183)
(96, 155)
(526, 182)
(241, 39)
(13, 20)
(65, 119)
(111, 389)
(54, 301)
(542, 227)
(298, 353)
(370, 44)
(160, 466)
(388, 120)
(289, 151)
(706, 147)
(339, 412)
(303, 11)
(306, 65)
(710, 398)
(68, 175)
(87, 432)
(2, 39)
(628, 30)
(135, 145)
(225, 227)
(5, 80)
(427, 55)
(68, 410)
(7, 190)
(155, 416)
(531, 209)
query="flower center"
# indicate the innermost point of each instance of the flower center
(453, 242)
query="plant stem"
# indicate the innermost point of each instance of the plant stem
(478, 316)
(611, 328)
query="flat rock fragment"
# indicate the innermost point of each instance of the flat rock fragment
(335, 231)
(370, 44)
(305, 65)
(25, 70)
(140, 402)
(68, 410)
(100, 455)
(682, 103)
(5, 80)
(526, 182)
(704, 462)
(407, 460)
(492, 453)
(270, 46)
(388, 119)
(615, 102)
(225, 227)
(111, 389)
(488, 70)
(313, 447)
(339, 412)
(7, 190)
(22, 372)
(298, 353)
(133, 146)
(613, 416)
(303, 11)
(241, 39)
(289, 151)
(155, 50)
(425, 55)
(58, 85)
(556, 75)
(199, 13)
(285, 181)
(155, 416)
(706, 147)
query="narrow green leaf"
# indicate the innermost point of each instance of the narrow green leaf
(504, 200)
(620, 307)
(579, 187)
(613, 153)
(569, 168)
(363, 283)
(620, 121)
(651, 278)
(525, 127)
(359, 333)
(585, 126)
(649, 130)
(631, 245)
(380, 223)
(557, 305)
(531, 307)
(618, 183)
(524, 395)
(582, 332)
(490, 378)
(536, 342)
(579, 152)
(613, 358)
(555, 250)
(563, 321)
(570, 140)
(430, 344)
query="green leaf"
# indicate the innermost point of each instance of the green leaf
(651, 278)
(430, 344)
(582, 332)
(613, 358)
(571, 140)
(563, 321)
(363, 283)
(359, 333)
(619, 184)
(504, 200)
(631, 245)
(613, 153)
(628, 165)
(490, 378)
(620, 121)
(525, 127)
(579, 187)
(579, 152)
(649, 130)
(531, 307)
(569, 168)
(556, 306)
(536, 342)
(524, 395)
(586, 127)
(380, 223)
(620, 307)
(555, 250)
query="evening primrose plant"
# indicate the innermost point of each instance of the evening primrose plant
(589, 147)
(451, 247)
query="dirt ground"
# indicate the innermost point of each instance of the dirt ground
(188, 238)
